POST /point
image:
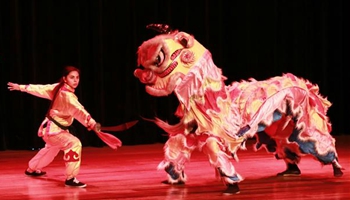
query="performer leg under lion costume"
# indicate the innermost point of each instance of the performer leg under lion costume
(286, 113)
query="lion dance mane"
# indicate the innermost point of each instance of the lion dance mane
(286, 114)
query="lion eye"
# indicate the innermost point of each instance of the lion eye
(159, 59)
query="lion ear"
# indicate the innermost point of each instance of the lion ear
(184, 42)
(185, 39)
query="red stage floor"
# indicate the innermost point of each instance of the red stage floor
(131, 173)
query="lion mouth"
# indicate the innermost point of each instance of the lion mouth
(165, 88)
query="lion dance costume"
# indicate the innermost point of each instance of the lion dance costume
(286, 114)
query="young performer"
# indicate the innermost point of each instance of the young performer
(64, 108)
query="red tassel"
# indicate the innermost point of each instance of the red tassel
(109, 139)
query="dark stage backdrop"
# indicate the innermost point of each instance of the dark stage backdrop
(259, 39)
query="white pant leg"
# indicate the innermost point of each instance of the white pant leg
(66, 142)
(43, 158)
(221, 161)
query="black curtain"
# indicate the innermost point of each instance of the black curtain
(258, 39)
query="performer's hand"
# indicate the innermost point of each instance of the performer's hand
(13, 86)
(91, 124)
(97, 127)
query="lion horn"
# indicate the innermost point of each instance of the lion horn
(161, 28)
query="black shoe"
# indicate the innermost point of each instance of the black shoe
(35, 173)
(289, 173)
(337, 169)
(292, 170)
(73, 182)
(337, 172)
(231, 189)
(175, 183)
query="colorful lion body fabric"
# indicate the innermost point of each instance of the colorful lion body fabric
(286, 114)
